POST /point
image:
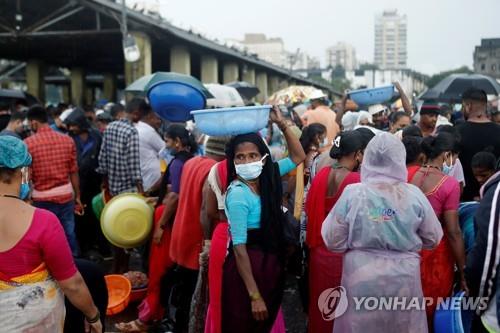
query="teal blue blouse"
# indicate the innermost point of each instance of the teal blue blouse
(243, 206)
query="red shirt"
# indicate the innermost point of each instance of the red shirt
(54, 159)
(44, 242)
(187, 235)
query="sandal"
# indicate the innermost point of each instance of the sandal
(135, 326)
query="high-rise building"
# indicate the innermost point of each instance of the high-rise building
(342, 54)
(487, 57)
(390, 40)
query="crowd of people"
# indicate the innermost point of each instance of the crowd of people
(366, 200)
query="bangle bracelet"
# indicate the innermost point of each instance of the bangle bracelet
(95, 319)
(255, 296)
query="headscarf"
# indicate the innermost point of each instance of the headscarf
(364, 115)
(13, 153)
(384, 160)
(349, 120)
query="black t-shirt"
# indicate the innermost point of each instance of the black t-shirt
(476, 137)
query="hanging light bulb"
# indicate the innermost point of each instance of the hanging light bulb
(130, 49)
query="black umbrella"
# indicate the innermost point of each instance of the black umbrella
(450, 89)
(245, 89)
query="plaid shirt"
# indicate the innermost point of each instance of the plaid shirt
(54, 159)
(119, 156)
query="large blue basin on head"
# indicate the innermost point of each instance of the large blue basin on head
(173, 100)
(372, 96)
(232, 121)
(450, 318)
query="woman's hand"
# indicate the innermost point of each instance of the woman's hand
(93, 328)
(151, 200)
(157, 235)
(275, 116)
(259, 310)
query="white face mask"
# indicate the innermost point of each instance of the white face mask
(250, 171)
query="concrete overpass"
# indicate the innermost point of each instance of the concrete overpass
(84, 36)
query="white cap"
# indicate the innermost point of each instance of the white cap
(317, 94)
(65, 114)
(376, 108)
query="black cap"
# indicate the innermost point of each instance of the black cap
(366, 135)
(474, 94)
(346, 143)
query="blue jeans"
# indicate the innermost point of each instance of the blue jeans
(66, 215)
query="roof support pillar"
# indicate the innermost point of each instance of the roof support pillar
(35, 78)
(273, 84)
(249, 75)
(65, 93)
(109, 87)
(284, 83)
(209, 69)
(261, 82)
(231, 72)
(180, 60)
(78, 87)
(135, 70)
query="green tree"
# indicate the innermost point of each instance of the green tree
(340, 85)
(436, 78)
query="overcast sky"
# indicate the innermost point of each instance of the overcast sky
(441, 33)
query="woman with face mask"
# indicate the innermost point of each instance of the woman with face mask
(443, 192)
(253, 277)
(325, 267)
(35, 258)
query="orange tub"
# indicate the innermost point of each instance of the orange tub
(119, 289)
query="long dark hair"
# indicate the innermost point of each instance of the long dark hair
(309, 134)
(433, 146)
(272, 217)
(176, 131)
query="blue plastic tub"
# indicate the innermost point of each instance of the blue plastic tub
(174, 101)
(232, 121)
(372, 95)
(450, 319)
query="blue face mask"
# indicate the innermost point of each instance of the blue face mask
(250, 171)
(447, 169)
(172, 151)
(24, 191)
